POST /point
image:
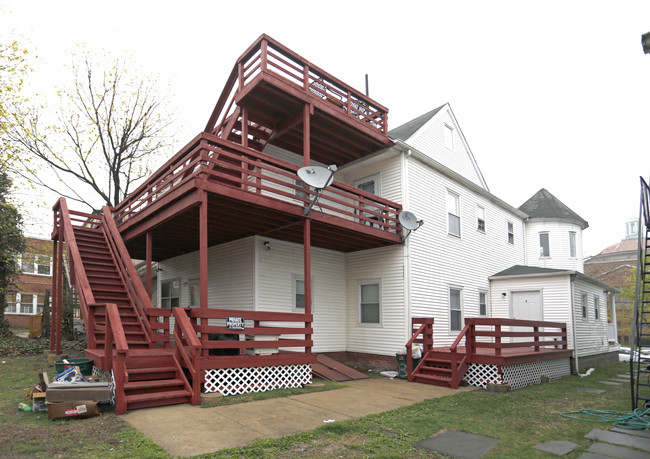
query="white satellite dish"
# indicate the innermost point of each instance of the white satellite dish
(317, 177)
(409, 221)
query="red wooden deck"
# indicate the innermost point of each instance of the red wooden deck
(507, 356)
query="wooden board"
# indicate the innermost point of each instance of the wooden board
(327, 368)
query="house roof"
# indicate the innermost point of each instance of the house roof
(544, 206)
(518, 271)
(406, 130)
(626, 245)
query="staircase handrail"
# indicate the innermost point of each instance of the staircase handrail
(458, 369)
(123, 259)
(84, 291)
(184, 334)
(426, 323)
(115, 335)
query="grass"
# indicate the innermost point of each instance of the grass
(519, 419)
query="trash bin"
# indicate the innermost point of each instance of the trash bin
(85, 365)
(402, 367)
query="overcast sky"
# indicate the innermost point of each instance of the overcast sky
(552, 94)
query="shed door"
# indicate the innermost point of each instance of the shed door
(526, 306)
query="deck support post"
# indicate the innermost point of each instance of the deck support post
(59, 309)
(55, 288)
(307, 227)
(149, 245)
(203, 250)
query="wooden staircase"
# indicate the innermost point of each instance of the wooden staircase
(114, 305)
(436, 368)
(108, 287)
(154, 378)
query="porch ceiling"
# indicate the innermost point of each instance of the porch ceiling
(231, 219)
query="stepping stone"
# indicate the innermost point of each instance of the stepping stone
(458, 444)
(624, 376)
(617, 438)
(636, 432)
(611, 383)
(590, 391)
(606, 449)
(621, 380)
(592, 456)
(559, 448)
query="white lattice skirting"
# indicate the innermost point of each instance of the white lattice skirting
(517, 376)
(234, 381)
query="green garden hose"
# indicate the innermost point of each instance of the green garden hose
(634, 420)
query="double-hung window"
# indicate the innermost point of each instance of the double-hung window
(482, 304)
(511, 233)
(370, 302)
(455, 310)
(572, 244)
(596, 308)
(453, 213)
(584, 301)
(544, 245)
(480, 218)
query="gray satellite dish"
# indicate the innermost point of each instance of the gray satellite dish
(317, 177)
(409, 221)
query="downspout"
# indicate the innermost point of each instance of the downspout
(406, 251)
(573, 324)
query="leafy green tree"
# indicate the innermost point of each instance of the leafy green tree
(11, 244)
(109, 134)
(13, 69)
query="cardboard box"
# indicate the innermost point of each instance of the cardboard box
(97, 392)
(77, 409)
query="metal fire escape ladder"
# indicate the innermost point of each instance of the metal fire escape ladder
(640, 365)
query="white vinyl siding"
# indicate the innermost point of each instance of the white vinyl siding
(277, 270)
(559, 242)
(368, 266)
(591, 334)
(437, 261)
(430, 140)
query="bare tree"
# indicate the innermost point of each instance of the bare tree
(109, 133)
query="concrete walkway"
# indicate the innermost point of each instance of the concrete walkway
(185, 430)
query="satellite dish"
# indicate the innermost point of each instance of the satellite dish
(409, 221)
(317, 177)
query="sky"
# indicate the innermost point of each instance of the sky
(552, 94)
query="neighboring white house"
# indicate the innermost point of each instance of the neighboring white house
(475, 256)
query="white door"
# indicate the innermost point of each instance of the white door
(526, 306)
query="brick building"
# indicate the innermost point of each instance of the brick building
(33, 282)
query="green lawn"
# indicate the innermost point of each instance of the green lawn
(520, 419)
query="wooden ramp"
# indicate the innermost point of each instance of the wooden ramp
(327, 368)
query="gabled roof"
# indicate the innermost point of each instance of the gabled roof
(519, 271)
(544, 206)
(406, 130)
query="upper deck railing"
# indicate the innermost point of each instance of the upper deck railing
(256, 173)
(267, 56)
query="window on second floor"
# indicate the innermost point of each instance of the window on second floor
(596, 308)
(480, 218)
(572, 244)
(544, 245)
(31, 263)
(511, 233)
(453, 213)
(584, 305)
